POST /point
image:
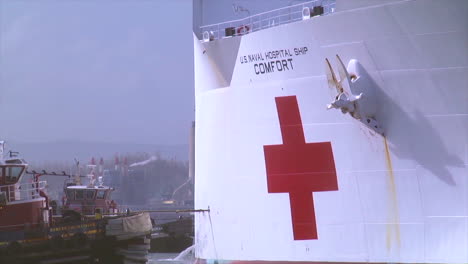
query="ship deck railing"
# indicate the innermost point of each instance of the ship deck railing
(21, 191)
(265, 20)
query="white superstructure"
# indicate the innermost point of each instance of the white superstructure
(398, 198)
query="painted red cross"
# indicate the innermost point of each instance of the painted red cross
(299, 168)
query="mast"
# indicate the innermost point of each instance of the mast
(2, 146)
(77, 178)
(92, 172)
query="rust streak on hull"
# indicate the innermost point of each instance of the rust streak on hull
(393, 226)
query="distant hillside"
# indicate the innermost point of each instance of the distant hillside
(83, 151)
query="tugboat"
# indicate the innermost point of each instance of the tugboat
(25, 215)
(88, 199)
(127, 234)
(89, 228)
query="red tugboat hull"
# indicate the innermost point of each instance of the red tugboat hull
(28, 212)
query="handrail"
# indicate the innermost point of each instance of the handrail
(164, 211)
(23, 191)
(270, 18)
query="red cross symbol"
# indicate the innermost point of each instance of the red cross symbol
(299, 168)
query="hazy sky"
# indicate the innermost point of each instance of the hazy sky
(96, 70)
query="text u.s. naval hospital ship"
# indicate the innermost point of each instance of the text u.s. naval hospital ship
(333, 131)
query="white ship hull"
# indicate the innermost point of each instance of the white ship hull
(402, 198)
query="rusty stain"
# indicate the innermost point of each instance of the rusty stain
(393, 225)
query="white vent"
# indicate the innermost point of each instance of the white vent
(208, 36)
(305, 13)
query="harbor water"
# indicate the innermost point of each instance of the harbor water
(169, 258)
